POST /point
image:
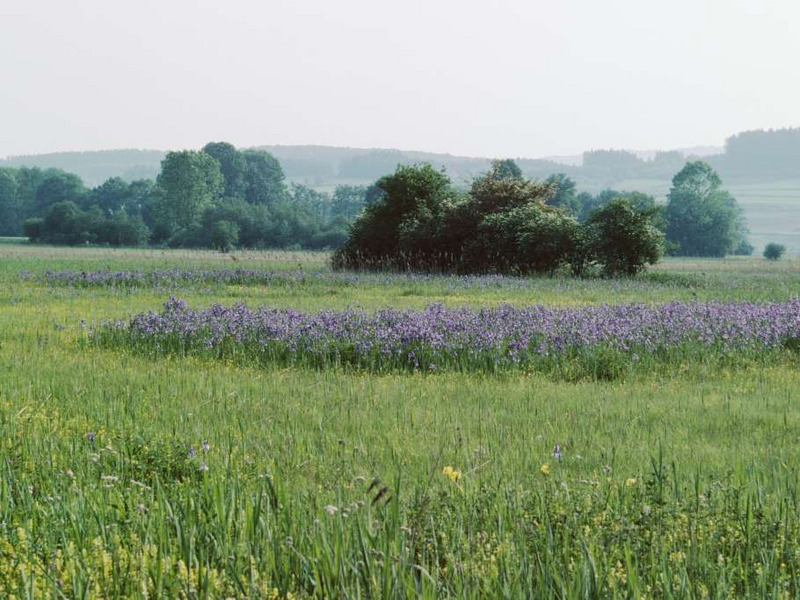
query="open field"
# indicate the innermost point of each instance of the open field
(129, 475)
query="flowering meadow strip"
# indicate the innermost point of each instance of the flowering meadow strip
(174, 278)
(599, 341)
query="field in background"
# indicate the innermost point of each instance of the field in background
(336, 483)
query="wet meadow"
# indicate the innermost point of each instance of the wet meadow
(254, 425)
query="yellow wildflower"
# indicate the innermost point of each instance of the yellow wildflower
(452, 473)
(545, 469)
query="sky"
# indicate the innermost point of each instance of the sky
(519, 78)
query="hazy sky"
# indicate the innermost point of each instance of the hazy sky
(489, 78)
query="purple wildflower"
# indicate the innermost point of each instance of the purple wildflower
(437, 337)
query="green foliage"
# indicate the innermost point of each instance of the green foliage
(744, 248)
(111, 195)
(773, 251)
(188, 183)
(65, 223)
(622, 237)
(495, 192)
(57, 186)
(564, 193)
(411, 201)
(244, 191)
(224, 235)
(703, 220)
(589, 203)
(9, 203)
(506, 168)
(428, 223)
(94, 167)
(528, 238)
(33, 228)
(348, 200)
(504, 225)
(263, 178)
(233, 166)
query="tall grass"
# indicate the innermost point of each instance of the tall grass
(327, 483)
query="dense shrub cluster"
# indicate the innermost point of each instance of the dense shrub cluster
(504, 224)
(65, 223)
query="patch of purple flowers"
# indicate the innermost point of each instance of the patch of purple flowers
(459, 337)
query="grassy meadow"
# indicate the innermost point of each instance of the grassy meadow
(123, 476)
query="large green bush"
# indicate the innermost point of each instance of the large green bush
(622, 238)
(503, 225)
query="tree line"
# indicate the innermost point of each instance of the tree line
(506, 223)
(216, 197)
(224, 197)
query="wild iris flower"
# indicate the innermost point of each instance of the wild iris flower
(440, 336)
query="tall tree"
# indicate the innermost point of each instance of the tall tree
(702, 219)
(564, 193)
(189, 182)
(111, 196)
(233, 166)
(9, 204)
(58, 186)
(28, 180)
(264, 178)
(506, 168)
(348, 200)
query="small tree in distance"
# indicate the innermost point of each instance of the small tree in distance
(773, 251)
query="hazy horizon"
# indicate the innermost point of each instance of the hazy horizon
(554, 157)
(469, 79)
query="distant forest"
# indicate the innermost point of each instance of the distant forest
(223, 197)
(215, 197)
(751, 155)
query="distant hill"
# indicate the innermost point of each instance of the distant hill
(94, 167)
(322, 167)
